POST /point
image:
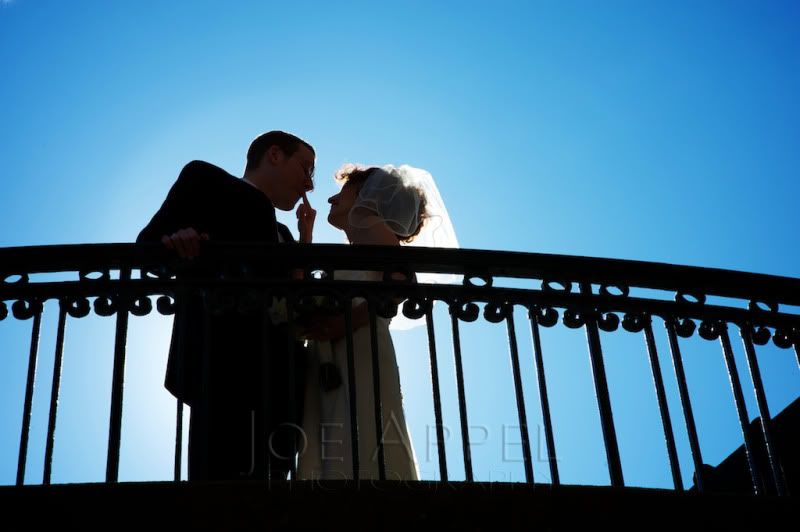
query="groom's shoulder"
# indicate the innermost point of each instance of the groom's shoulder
(203, 169)
(205, 174)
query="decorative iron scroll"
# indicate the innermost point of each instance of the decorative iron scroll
(760, 301)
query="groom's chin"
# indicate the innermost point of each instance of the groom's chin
(286, 205)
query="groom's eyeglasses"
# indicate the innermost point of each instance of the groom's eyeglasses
(309, 172)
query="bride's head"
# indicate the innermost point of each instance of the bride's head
(372, 195)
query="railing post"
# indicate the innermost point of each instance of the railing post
(178, 440)
(763, 410)
(523, 420)
(29, 385)
(376, 389)
(542, 385)
(437, 402)
(661, 395)
(462, 400)
(741, 408)
(178, 337)
(686, 403)
(117, 381)
(603, 398)
(54, 392)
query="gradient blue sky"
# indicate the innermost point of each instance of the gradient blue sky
(662, 131)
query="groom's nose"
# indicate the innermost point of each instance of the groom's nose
(332, 199)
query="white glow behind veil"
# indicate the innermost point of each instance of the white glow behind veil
(392, 195)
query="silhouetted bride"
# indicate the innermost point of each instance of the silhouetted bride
(388, 206)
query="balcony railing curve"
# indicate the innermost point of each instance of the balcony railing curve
(581, 292)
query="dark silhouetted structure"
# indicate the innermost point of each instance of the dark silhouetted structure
(754, 487)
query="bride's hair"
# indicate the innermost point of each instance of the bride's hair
(358, 175)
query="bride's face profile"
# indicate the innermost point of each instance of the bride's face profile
(341, 204)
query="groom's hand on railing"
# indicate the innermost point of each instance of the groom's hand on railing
(186, 242)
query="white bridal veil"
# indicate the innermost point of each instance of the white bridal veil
(392, 195)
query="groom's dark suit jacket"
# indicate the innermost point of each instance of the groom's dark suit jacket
(210, 200)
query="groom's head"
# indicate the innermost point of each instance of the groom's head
(282, 166)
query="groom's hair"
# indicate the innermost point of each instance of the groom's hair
(287, 142)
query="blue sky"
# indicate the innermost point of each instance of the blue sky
(662, 131)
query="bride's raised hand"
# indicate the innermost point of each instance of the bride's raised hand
(305, 220)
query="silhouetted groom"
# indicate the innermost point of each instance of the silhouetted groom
(208, 203)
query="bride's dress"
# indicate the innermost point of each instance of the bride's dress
(326, 417)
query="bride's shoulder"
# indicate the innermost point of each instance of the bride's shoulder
(374, 233)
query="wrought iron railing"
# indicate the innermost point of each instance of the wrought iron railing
(592, 294)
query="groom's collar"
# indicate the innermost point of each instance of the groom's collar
(257, 188)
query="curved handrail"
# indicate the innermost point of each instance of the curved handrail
(469, 262)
